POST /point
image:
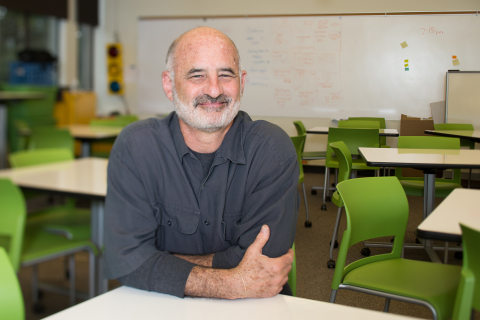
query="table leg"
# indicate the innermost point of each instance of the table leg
(428, 204)
(97, 226)
(85, 149)
(3, 136)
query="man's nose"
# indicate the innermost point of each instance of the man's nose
(213, 87)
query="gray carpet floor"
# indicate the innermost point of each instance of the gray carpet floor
(312, 250)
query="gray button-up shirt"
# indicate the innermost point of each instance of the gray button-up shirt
(160, 202)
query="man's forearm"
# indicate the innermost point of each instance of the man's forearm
(214, 283)
(200, 260)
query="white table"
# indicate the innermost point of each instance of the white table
(382, 132)
(88, 134)
(4, 97)
(461, 206)
(473, 135)
(127, 303)
(427, 160)
(81, 178)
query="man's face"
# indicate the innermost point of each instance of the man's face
(207, 85)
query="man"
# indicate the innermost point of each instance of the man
(203, 202)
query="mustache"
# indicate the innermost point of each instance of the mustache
(208, 99)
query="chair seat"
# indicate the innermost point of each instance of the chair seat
(431, 282)
(357, 164)
(384, 146)
(38, 244)
(314, 155)
(415, 188)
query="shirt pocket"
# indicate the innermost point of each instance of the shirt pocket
(177, 218)
(230, 221)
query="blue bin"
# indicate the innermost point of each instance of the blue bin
(31, 73)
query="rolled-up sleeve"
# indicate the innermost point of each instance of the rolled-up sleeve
(130, 228)
(274, 201)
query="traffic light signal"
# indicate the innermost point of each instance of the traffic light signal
(114, 68)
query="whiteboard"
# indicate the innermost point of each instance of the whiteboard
(326, 66)
(463, 98)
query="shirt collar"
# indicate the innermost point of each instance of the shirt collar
(231, 147)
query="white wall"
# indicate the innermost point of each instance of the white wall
(122, 16)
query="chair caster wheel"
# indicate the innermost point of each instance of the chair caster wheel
(67, 274)
(308, 224)
(365, 252)
(417, 241)
(333, 184)
(335, 245)
(38, 308)
(324, 207)
(331, 264)
(328, 199)
(458, 255)
(314, 192)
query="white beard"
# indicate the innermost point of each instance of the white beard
(205, 119)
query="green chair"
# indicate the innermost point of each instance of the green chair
(308, 155)
(47, 137)
(468, 294)
(413, 186)
(66, 220)
(298, 142)
(353, 139)
(378, 207)
(292, 275)
(345, 168)
(359, 124)
(463, 142)
(28, 245)
(381, 122)
(11, 299)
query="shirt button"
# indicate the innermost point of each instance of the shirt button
(207, 223)
(169, 223)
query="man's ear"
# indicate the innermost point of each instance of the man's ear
(167, 83)
(243, 77)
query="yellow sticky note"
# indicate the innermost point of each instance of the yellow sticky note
(404, 44)
(406, 61)
(454, 57)
(456, 62)
(406, 64)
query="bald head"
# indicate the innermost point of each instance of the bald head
(197, 37)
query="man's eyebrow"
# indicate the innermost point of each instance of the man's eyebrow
(228, 70)
(195, 71)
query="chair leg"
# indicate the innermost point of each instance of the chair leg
(91, 276)
(387, 305)
(324, 206)
(469, 177)
(333, 296)
(307, 222)
(72, 293)
(34, 284)
(335, 231)
(445, 257)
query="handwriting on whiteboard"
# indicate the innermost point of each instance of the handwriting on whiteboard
(430, 30)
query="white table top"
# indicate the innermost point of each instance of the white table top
(464, 134)
(85, 131)
(421, 158)
(382, 132)
(128, 303)
(85, 176)
(461, 206)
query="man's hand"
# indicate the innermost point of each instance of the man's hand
(264, 277)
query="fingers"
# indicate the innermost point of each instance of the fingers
(261, 239)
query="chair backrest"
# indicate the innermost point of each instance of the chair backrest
(40, 156)
(45, 137)
(428, 142)
(468, 294)
(12, 221)
(453, 126)
(11, 299)
(353, 139)
(300, 127)
(361, 124)
(381, 121)
(299, 143)
(344, 158)
(375, 207)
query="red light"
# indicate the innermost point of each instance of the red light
(113, 51)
